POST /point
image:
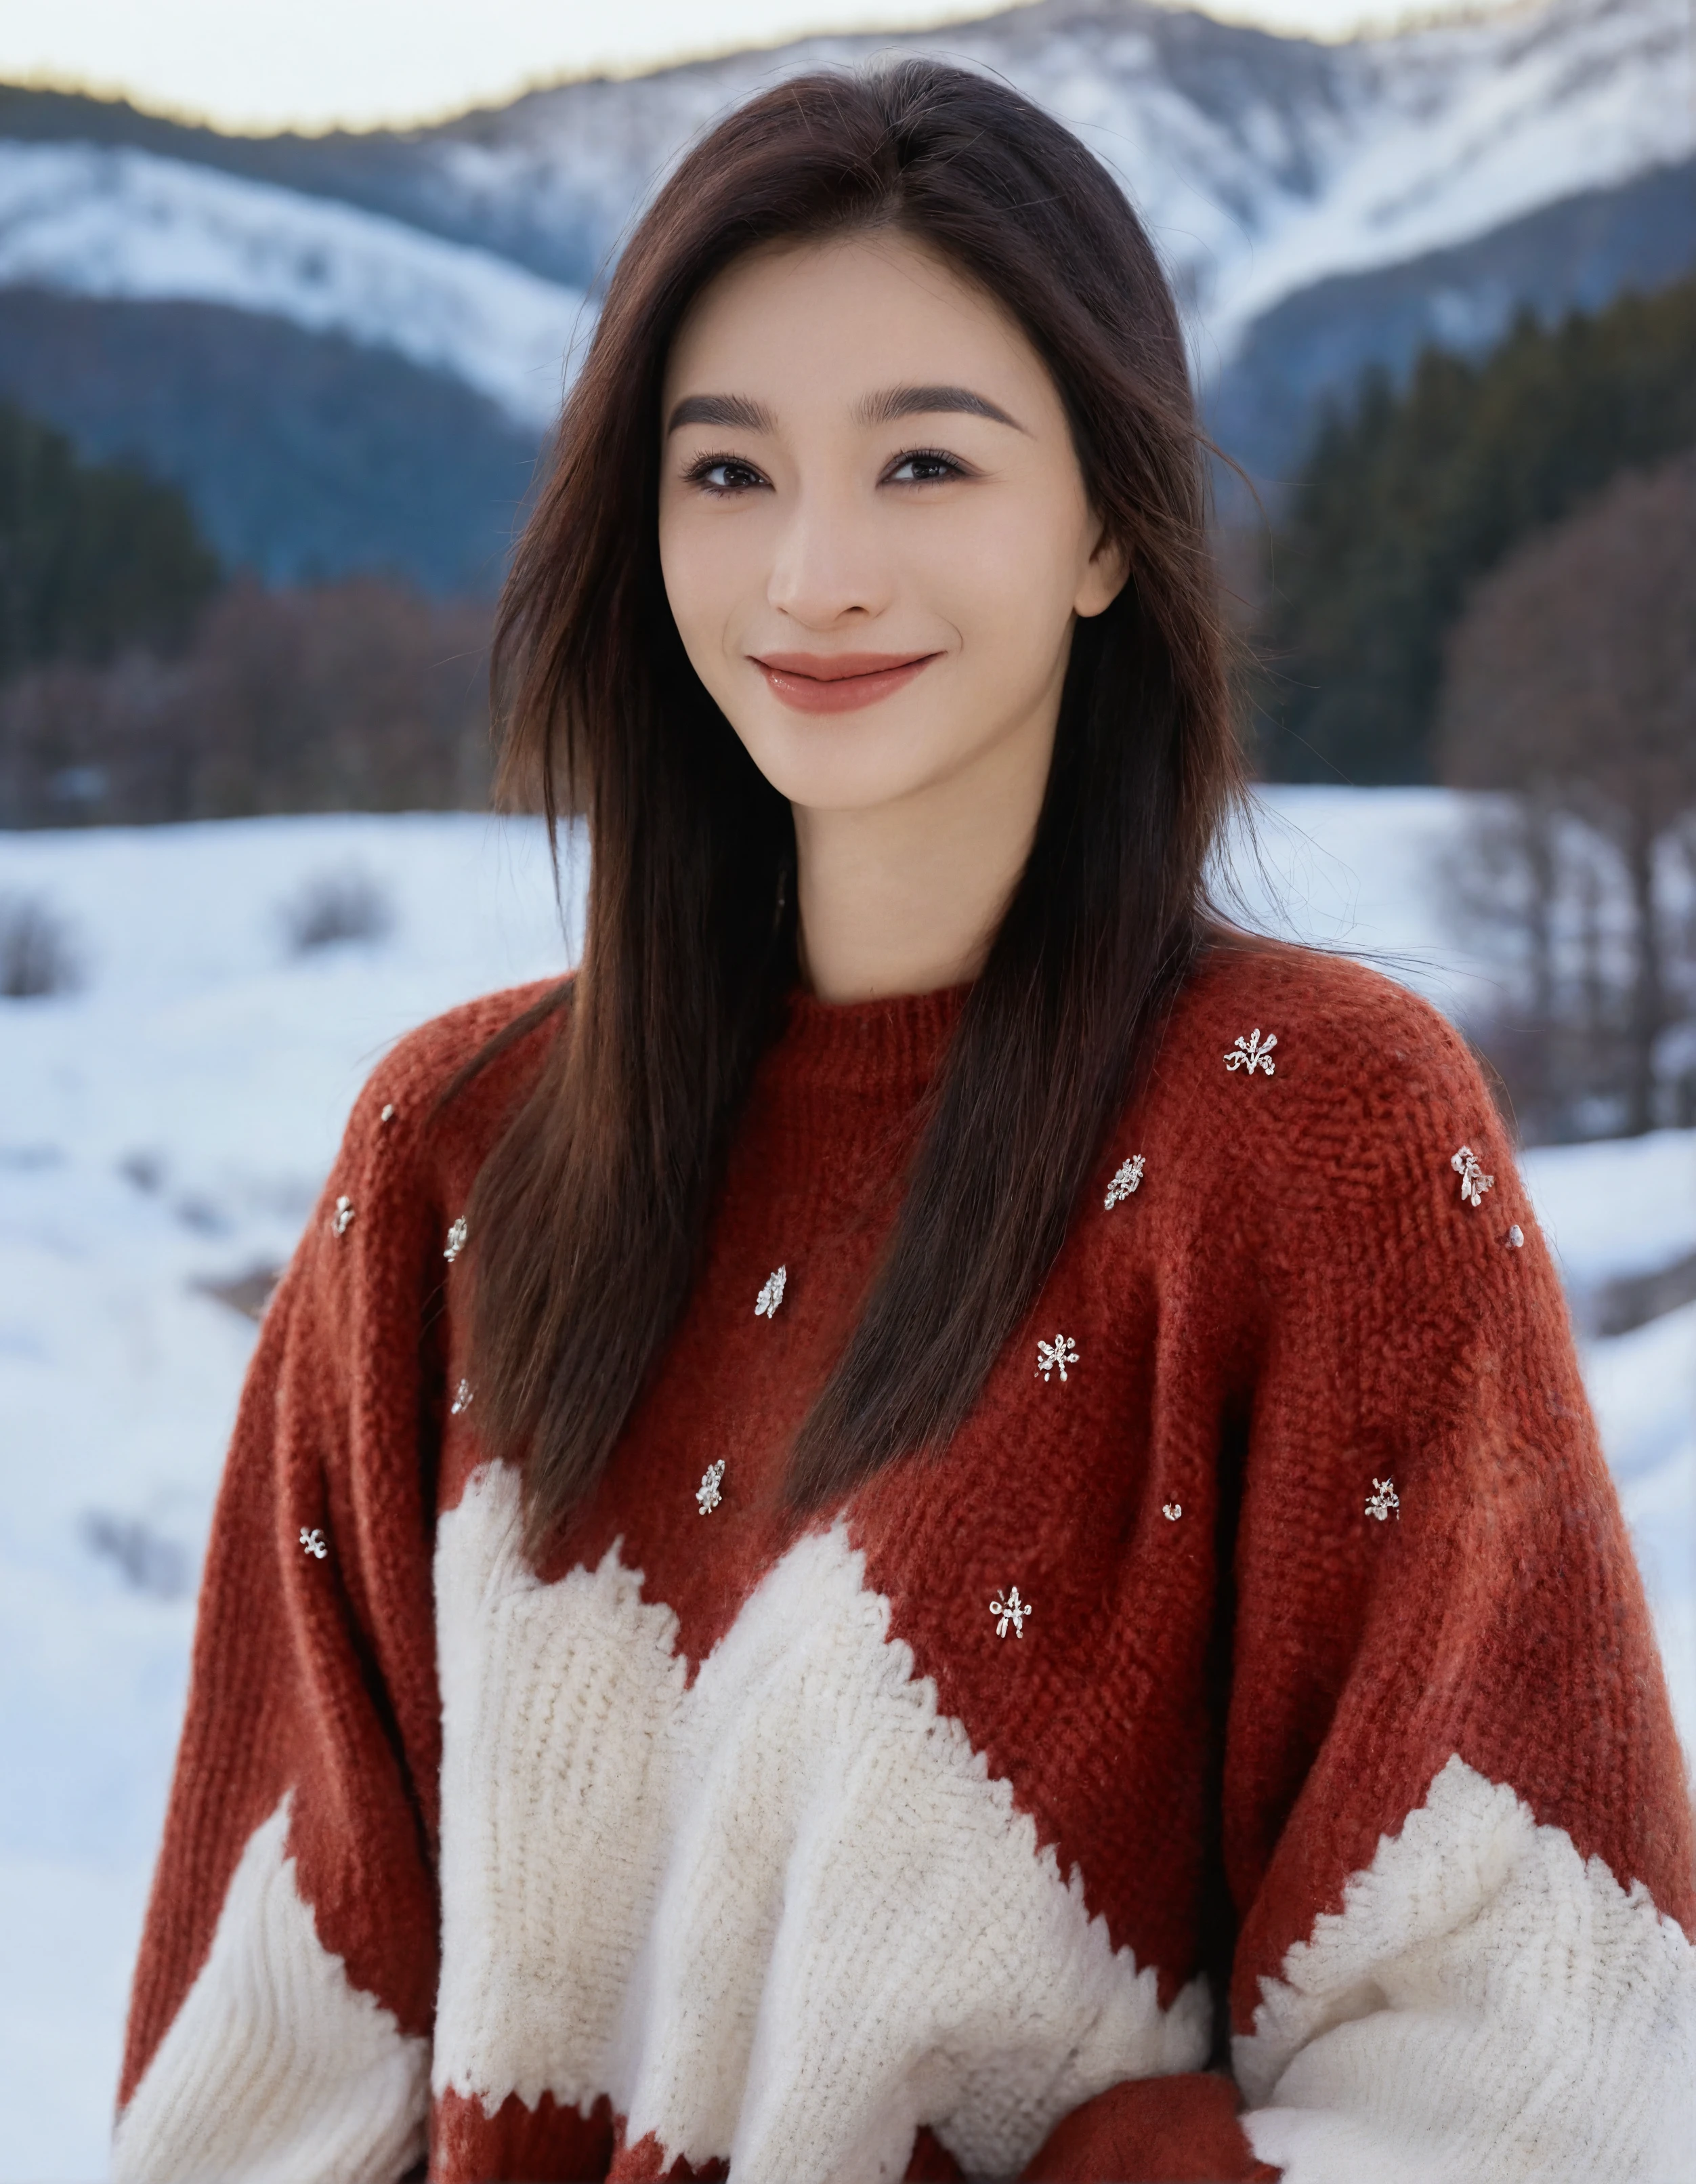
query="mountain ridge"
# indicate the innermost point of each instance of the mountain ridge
(1261, 162)
(1313, 347)
(1319, 206)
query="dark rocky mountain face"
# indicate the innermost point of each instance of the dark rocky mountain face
(1316, 346)
(304, 455)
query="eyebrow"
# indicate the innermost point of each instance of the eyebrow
(930, 401)
(733, 409)
(742, 414)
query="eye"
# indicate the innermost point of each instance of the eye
(723, 474)
(924, 466)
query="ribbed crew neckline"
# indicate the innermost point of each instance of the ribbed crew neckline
(887, 1049)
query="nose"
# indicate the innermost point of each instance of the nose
(828, 567)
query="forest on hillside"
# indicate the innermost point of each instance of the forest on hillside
(1413, 494)
(1488, 578)
(140, 681)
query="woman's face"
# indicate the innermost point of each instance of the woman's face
(874, 529)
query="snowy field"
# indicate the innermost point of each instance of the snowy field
(167, 1124)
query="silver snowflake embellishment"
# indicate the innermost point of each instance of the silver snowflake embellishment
(462, 1399)
(456, 1239)
(1054, 1356)
(388, 1113)
(707, 1495)
(313, 1543)
(1125, 1179)
(1474, 1183)
(1171, 1510)
(771, 1294)
(1385, 1502)
(1253, 1053)
(1011, 1610)
(344, 1216)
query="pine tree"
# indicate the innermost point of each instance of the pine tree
(1410, 498)
(93, 556)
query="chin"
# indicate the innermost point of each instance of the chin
(843, 763)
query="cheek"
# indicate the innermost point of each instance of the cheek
(702, 582)
(1006, 579)
(681, 564)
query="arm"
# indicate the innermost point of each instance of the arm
(280, 2020)
(1456, 1823)
(1456, 1829)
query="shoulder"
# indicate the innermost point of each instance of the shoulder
(1332, 1018)
(1326, 1046)
(414, 1082)
(1361, 1207)
(1344, 1118)
(422, 1125)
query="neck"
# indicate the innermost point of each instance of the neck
(904, 897)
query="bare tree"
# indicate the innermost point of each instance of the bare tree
(1571, 684)
(361, 695)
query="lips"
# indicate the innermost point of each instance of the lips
(839, 681)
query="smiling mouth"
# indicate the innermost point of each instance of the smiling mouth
(838, 682)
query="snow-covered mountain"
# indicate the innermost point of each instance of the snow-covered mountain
(161, 286)
(114, 222)
(1314, 344)
(1262, 163)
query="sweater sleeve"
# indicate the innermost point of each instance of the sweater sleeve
(1456, 1827)
(280, 2013)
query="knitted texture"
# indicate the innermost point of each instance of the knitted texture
(1242, 1751)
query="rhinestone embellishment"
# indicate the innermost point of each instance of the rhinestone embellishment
(456, 1239)
(1253, 1053)
(1011, 1610)
(1125, 1179)
(344, 1216)
(313, 1543)
(1516, 1237)
(771, 1294)
(1171, 1510)
(707, 1494)
(1054, 1356)
(1385, 1500)
(388, 1113)
(1474, 1183)
(462, 1399)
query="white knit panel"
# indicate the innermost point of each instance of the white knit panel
(1486, 2009)
(559, 1705)
(275, 2071)
(786, 1915)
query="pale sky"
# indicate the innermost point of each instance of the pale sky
(317, 64)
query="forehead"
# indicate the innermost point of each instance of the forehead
(833, 317)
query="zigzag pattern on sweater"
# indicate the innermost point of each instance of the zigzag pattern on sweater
(719, 1843)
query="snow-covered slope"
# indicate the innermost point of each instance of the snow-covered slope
(1460, 128)
(1263, 164)
(91, 220)
(168, 1125)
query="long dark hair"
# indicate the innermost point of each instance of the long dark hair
(587, 1220)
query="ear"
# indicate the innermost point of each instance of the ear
(1104, 577)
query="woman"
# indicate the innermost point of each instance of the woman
(939, 1522)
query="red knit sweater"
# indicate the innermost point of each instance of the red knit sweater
(1243, 1751)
